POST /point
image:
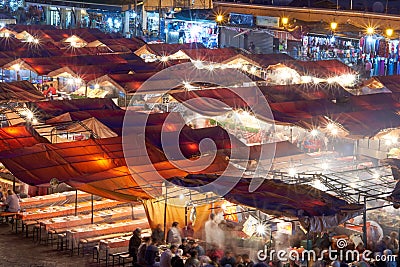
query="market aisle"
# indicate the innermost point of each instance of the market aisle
(19, 251)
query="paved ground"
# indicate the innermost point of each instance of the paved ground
(18, 251)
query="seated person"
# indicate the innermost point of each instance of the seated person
(12, 202)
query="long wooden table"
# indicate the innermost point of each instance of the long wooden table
(65, 210)
(74, 235)
(52, 199)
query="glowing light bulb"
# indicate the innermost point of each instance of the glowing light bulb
(96, 86)
(370, 30)
(285, 20)
(219, 18)
(389, 32)
(314, 132)
(334, 25)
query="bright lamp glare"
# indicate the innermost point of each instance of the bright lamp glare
(181, 196)
(292, 172)
(370, 30)
(324, 166)
(314, 132)
(334, 131)
(260, 229)
(330, 126)
(96, 86)
(29, 114)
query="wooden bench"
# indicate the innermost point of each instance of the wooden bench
(8, 214)
(13, 216)
(87, 241)
(124, 259)
(26, 225)
(118, 254)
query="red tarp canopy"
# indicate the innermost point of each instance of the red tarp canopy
(21, 91)
(48, 109)
(18, 137)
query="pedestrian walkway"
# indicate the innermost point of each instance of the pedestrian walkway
(18, 251)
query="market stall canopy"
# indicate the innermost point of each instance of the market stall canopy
(392, 83)
(20, 91)
(321, 69)
(166, 49)
(48, 109)
(219, 55)
(95, 160)
(114, 119)
(367, 123)
(279, 198)
(95, 126)
(18, 137)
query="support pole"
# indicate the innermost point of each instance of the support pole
(165, 213)
(76, 202)
(365, 222)
(186, 214)
(92, 211)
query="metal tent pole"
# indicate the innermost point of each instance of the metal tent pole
(365, 222)
(76, 202)
(92, 210)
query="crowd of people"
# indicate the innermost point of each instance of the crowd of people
(175, 251)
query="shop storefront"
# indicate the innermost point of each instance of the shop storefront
(321, 47)
(181, 31)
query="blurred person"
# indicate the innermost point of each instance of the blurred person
(142, 251)
(50, 92)
(151, 253)
(228, 260)
(394, 243)
(195, 246)
(177, 260)
(166, 256)
(158, 234)
(174, 235)
(188, 230)
(215, 252)
(239, 261)
(11, 202)
(390, 261)
(193, 261)
(247, 262)
(134, 244)
(185, 247)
